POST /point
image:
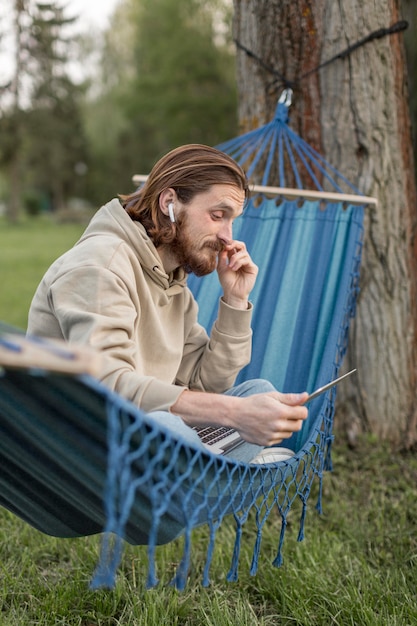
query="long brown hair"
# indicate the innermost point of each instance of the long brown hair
(189, 170)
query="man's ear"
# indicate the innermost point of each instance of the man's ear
(167, 200)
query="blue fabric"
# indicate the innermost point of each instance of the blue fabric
(300, 294)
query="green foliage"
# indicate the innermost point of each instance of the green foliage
(43, 138)
(168, 80)
(55, 147)
(10, 124)
(185, 87)
(166, 76)
(55, 134)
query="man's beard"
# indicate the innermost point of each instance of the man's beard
(194, 258)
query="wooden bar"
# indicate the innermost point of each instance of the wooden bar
(307, 194)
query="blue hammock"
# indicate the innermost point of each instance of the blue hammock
(77, 459)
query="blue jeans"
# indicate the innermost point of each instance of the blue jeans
(244, 453)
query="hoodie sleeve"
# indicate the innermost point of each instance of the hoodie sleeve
(95, 308)
(212, 364)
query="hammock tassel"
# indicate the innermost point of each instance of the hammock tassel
(319, 506)
(111, 552)
(209, 557)
(328, 464)
(278, 561)
(302, 521)
(152, 579)
(256, 552)
(232, 575)
(180, 579)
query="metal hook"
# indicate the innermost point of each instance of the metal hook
(286, 97)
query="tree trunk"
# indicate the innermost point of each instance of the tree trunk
(354, 111)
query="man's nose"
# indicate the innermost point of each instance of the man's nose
(225, 234)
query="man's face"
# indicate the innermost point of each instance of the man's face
(204, 226)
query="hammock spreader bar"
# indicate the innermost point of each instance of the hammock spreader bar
(291, 193)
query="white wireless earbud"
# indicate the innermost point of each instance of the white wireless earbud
(171, 212)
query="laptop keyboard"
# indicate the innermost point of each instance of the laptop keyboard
(212, 434)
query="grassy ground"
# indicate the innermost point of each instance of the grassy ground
(356, 567)
(26, 251)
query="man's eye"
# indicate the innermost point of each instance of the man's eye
(217, 216)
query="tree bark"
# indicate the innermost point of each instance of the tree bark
(354, 111)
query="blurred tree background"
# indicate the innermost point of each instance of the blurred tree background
(81, 114)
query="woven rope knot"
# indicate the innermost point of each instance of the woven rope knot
(281, 113)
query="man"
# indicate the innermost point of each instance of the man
(122, 290)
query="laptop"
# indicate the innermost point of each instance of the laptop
(221, 440)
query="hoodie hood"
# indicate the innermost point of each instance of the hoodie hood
(113, 221)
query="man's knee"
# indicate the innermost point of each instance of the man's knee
(252, 387)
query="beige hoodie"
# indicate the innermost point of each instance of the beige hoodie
(111, 292)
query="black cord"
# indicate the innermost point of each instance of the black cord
(268, 68)
(377, 34)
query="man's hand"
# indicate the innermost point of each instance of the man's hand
(269, 418)
(265, 419)
(237, 274)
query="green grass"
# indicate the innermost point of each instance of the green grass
(26, 251)
(356, 567)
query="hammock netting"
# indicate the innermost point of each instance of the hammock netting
(77, 459)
